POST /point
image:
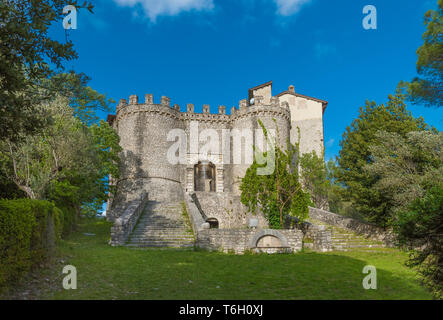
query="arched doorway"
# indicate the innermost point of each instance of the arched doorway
(204, 176)
(213, 223)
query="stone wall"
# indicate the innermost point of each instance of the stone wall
(307, 115)
(321, 238)
(254, 240)
(365, 229)
(126, 222)
(227, 209)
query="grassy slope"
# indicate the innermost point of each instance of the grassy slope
(106, 272)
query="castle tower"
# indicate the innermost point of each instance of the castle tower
(307, 115)
(262, 106)
(143, 129)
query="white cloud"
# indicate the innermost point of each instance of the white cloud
(156, 8)
(290, 7)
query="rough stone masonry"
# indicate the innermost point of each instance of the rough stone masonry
(213, 179)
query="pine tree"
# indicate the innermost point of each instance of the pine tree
(355, 154)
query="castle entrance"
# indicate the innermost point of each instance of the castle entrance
(204, 176)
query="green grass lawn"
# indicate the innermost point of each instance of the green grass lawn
(106, 272)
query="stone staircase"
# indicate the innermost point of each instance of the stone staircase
(346, 240)
(162, 225)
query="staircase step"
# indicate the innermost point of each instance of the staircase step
(162, 225)
(161, 231)
(141, 245)
(159, 242)
(150, 238)
(346, 240)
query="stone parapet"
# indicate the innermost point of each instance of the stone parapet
(322, 238)
(165, 109)
(197, 220)
(368, 230)
(241, 240)
(124, 224)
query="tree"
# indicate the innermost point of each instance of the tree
(314, 178)
(319, 180)
(26, 56)
(65, 159)
(355, 154)
(410, 175)
(279, 193)
(83, 99)
(421, 227)
(428, 89)
(406, 166)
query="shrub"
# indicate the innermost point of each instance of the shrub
(69, 218)
(29, 230)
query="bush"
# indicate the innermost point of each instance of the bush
(29, 230)
(69, 218)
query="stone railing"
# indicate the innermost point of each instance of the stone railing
(196, 216)
(322, 238)
(368, 230)
(124, 224)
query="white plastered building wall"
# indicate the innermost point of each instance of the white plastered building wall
(306, 118)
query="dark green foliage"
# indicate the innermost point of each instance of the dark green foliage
(319, 180)
(428, 88)
(421, 227)
(83, 99)
(314, 178)
(67, 162)
(406, 167)
(64, 195)
(29, 230)
(279, 193)
(355, 154)
(26, 52)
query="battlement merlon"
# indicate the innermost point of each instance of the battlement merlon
(260, 95)
(124, 109)
(165, 101)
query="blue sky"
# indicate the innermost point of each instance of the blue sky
(212, 51)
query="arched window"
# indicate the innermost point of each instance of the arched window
(204, 176)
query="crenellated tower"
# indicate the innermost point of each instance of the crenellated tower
(150, 131)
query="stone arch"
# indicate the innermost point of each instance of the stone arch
(204, 176)
(268, 242)
(268, 232)
(213, 223)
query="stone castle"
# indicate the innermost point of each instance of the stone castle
(209, 184)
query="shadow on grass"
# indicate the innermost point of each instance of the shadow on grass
(106, 272)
